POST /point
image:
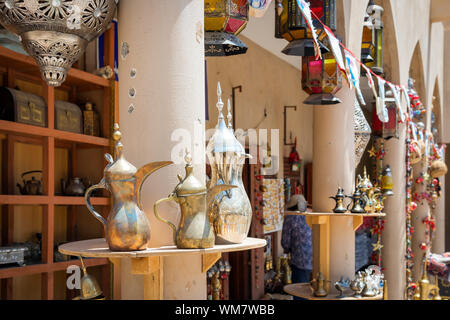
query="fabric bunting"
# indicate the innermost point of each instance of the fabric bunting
(370, 82)
(306, 12)
(353, 75)
(382, 111)
(413, 130)
(336, 49)
(396, 93)
(408, 102)
(257, 8)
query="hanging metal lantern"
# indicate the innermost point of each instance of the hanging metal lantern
(290, 25)
(372, 39)
(224, 20)
(56, 32)
(387, 182)
(386, 130)
(321, 79)
(362, 132)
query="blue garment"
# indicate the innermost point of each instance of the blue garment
(296, 239)
(300, 276)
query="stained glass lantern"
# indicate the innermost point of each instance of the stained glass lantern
(372, 39)
(321, 79)
(386, 130)
(224, 20)
(291, 25)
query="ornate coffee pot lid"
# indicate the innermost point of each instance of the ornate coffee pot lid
(190, 185)
(118, 166)
(223, 140)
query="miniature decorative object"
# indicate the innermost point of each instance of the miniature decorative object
(91, 121)
(124, 181)
(387, 183)
(230, 211)
(90, 289)
(358, 202)
(224, 20)
(194, 230)
(438, 169)
(415, 152)
(358, 285)
(286, 269)
(75, 187)
(30, 187)
(362, 132)
(56, 33)
(341, 285)
(13, 254)
(372, 43)
(291, 25)
(425, 290)
(22, 107)
(373, 279)
(68, 117)
(339, 198)
(318, 285)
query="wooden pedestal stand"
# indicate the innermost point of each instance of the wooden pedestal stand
(149, 262)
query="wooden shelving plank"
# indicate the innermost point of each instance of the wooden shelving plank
(51, 267)
(29, 130)
(56, 200)
(26, 64)
(24, 200)
(79, 201)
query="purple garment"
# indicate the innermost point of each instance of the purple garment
(296, 239)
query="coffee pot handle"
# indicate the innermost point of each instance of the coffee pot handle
(155, 210)
(87, 198)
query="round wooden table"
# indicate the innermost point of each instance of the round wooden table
(304, 290)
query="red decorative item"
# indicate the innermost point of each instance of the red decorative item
(294, 157)
(423, 246)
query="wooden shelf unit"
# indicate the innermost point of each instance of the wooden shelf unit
(15, 66)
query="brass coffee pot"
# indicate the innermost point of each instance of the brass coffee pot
(339, 198)
(358, 202)
(319, 285)
(127, 227)
(194, 230)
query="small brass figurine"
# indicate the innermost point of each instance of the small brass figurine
(216, 285)
(339, 198)
(286, 270)
(194, 230)
(341, 285)
(425, 289)
(319, 285)
(90, 289)
(358, 284)
(127, 227)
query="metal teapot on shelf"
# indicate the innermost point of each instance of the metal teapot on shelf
(339, 198)
(30, 187)
(127, 227)
(231, 211)
(75, 187)
(194, 230)
(357, 201)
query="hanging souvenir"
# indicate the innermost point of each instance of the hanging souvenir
(353, 75)
(56, 33)
(382, 111)
(362, 132)
(258, 7)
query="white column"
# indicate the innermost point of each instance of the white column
(165, 40)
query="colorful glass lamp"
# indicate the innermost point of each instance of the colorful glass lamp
(290, 25)
(224, 20)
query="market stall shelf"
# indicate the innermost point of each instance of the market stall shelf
(148, 262)
(304, 290)
(323, 217)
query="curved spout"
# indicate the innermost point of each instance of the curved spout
(215, 190)
(144, 172)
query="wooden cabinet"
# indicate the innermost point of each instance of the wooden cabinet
(59, 154)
